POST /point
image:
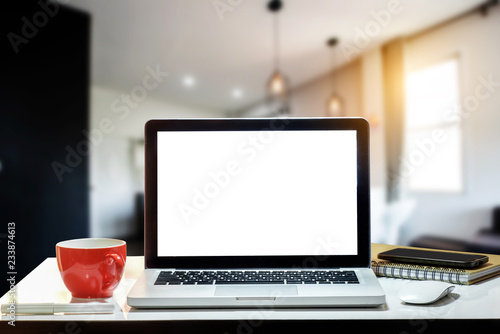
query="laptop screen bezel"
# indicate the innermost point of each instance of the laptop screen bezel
(306, 261)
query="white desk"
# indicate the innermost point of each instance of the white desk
(44, 284)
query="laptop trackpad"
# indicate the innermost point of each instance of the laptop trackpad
(256, 291)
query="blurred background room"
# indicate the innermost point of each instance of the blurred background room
(82, 77)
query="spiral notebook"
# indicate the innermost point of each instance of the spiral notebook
(419, 272)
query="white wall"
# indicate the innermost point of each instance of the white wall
(311, 98)
(116, 176)
(475, 40)
(373, 111)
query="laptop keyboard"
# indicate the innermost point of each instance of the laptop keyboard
(256, 277)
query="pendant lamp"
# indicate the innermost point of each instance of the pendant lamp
(277, 89)
(334, 105)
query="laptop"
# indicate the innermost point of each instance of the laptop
(243, 213)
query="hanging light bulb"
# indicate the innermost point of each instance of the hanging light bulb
(277, 85)
(334, 105)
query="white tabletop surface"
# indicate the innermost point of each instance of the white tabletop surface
(44, 284)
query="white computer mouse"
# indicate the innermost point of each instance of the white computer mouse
(424, 292)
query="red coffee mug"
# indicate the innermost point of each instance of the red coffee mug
(91, 267)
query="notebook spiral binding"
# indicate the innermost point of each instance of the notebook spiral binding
(418, 272)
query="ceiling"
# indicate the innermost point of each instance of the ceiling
(227, 50)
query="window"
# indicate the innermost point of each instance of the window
(433, 144)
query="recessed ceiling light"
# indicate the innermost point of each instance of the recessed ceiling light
(188, 81)
(237, 93)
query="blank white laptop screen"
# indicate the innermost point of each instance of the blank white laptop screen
(239, 193)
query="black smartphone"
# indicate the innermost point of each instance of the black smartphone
(431, 258)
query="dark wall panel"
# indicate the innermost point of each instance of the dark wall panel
(44, 94)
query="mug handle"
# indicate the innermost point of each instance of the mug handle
(119, 263)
